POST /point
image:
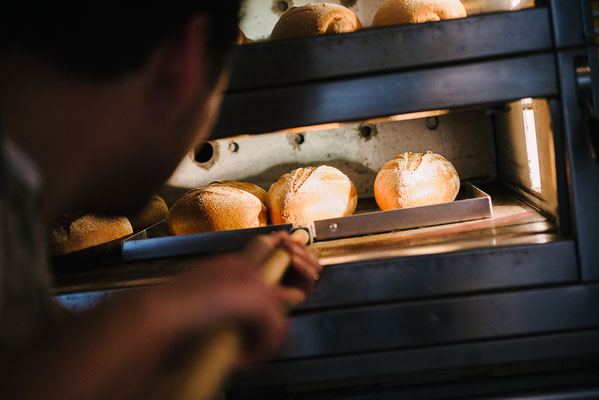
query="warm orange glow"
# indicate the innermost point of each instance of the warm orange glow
(532, 150)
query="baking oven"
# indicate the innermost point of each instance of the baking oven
(468, 307)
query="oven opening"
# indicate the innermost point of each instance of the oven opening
(505, 150)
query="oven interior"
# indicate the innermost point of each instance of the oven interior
(507, 150)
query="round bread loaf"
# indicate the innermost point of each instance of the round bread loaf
(152, 213)
(71, 232)
(416, 11)
(219, 206)
(309, 194)
(315, 19)
(248, 187)
(416, 179)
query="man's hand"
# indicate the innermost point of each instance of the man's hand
(303, 274)
(119, 350)
(229, 288)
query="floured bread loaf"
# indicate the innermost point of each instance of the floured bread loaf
(152, 213)
(248, 187)
(416, 11)
(309, 194)
(315, 19)
(219, 206)
(76, 231)
(416, 179)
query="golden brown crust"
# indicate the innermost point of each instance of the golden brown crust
(70, 233)
(153, 212)
(248, 187)
(309, 194)
(219, 206)
(416, 179)
(417, 11)
(315, 19)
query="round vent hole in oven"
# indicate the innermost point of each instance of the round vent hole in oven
(367, 131)
(204, 153)
(280, 6)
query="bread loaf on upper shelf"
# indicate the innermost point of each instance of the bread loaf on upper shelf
(416, 179)
(417, 11)
(315, 19)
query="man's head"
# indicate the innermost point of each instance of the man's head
(107, 40)
(119, 94)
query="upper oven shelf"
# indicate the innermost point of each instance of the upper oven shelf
(385, 94)
(392, 48)
(378, 72)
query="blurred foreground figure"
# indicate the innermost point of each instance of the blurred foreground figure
(88, 98)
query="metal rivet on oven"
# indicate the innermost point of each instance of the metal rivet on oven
(365, 131)
(333, 227)
(432, 123)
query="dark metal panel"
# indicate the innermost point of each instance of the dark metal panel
(572, 394)
(583, 169)
(445, 321)
(423, 360)
(592, 58)
(268, 64)
(580, 385)
(442, 274)
(568, 28)
(588, 26)
(360, 98)
(416, 277)
(561, 170)
(563, 385)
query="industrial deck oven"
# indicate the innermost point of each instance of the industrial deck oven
(506, 306)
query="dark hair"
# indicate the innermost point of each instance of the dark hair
(105, 40)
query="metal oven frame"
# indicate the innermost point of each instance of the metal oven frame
(472, 322)
(423, 317)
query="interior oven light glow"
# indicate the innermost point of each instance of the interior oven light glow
(515, 3)
(532, 150)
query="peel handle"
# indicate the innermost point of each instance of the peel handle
(209, 363)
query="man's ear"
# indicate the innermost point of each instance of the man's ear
(181, 67)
